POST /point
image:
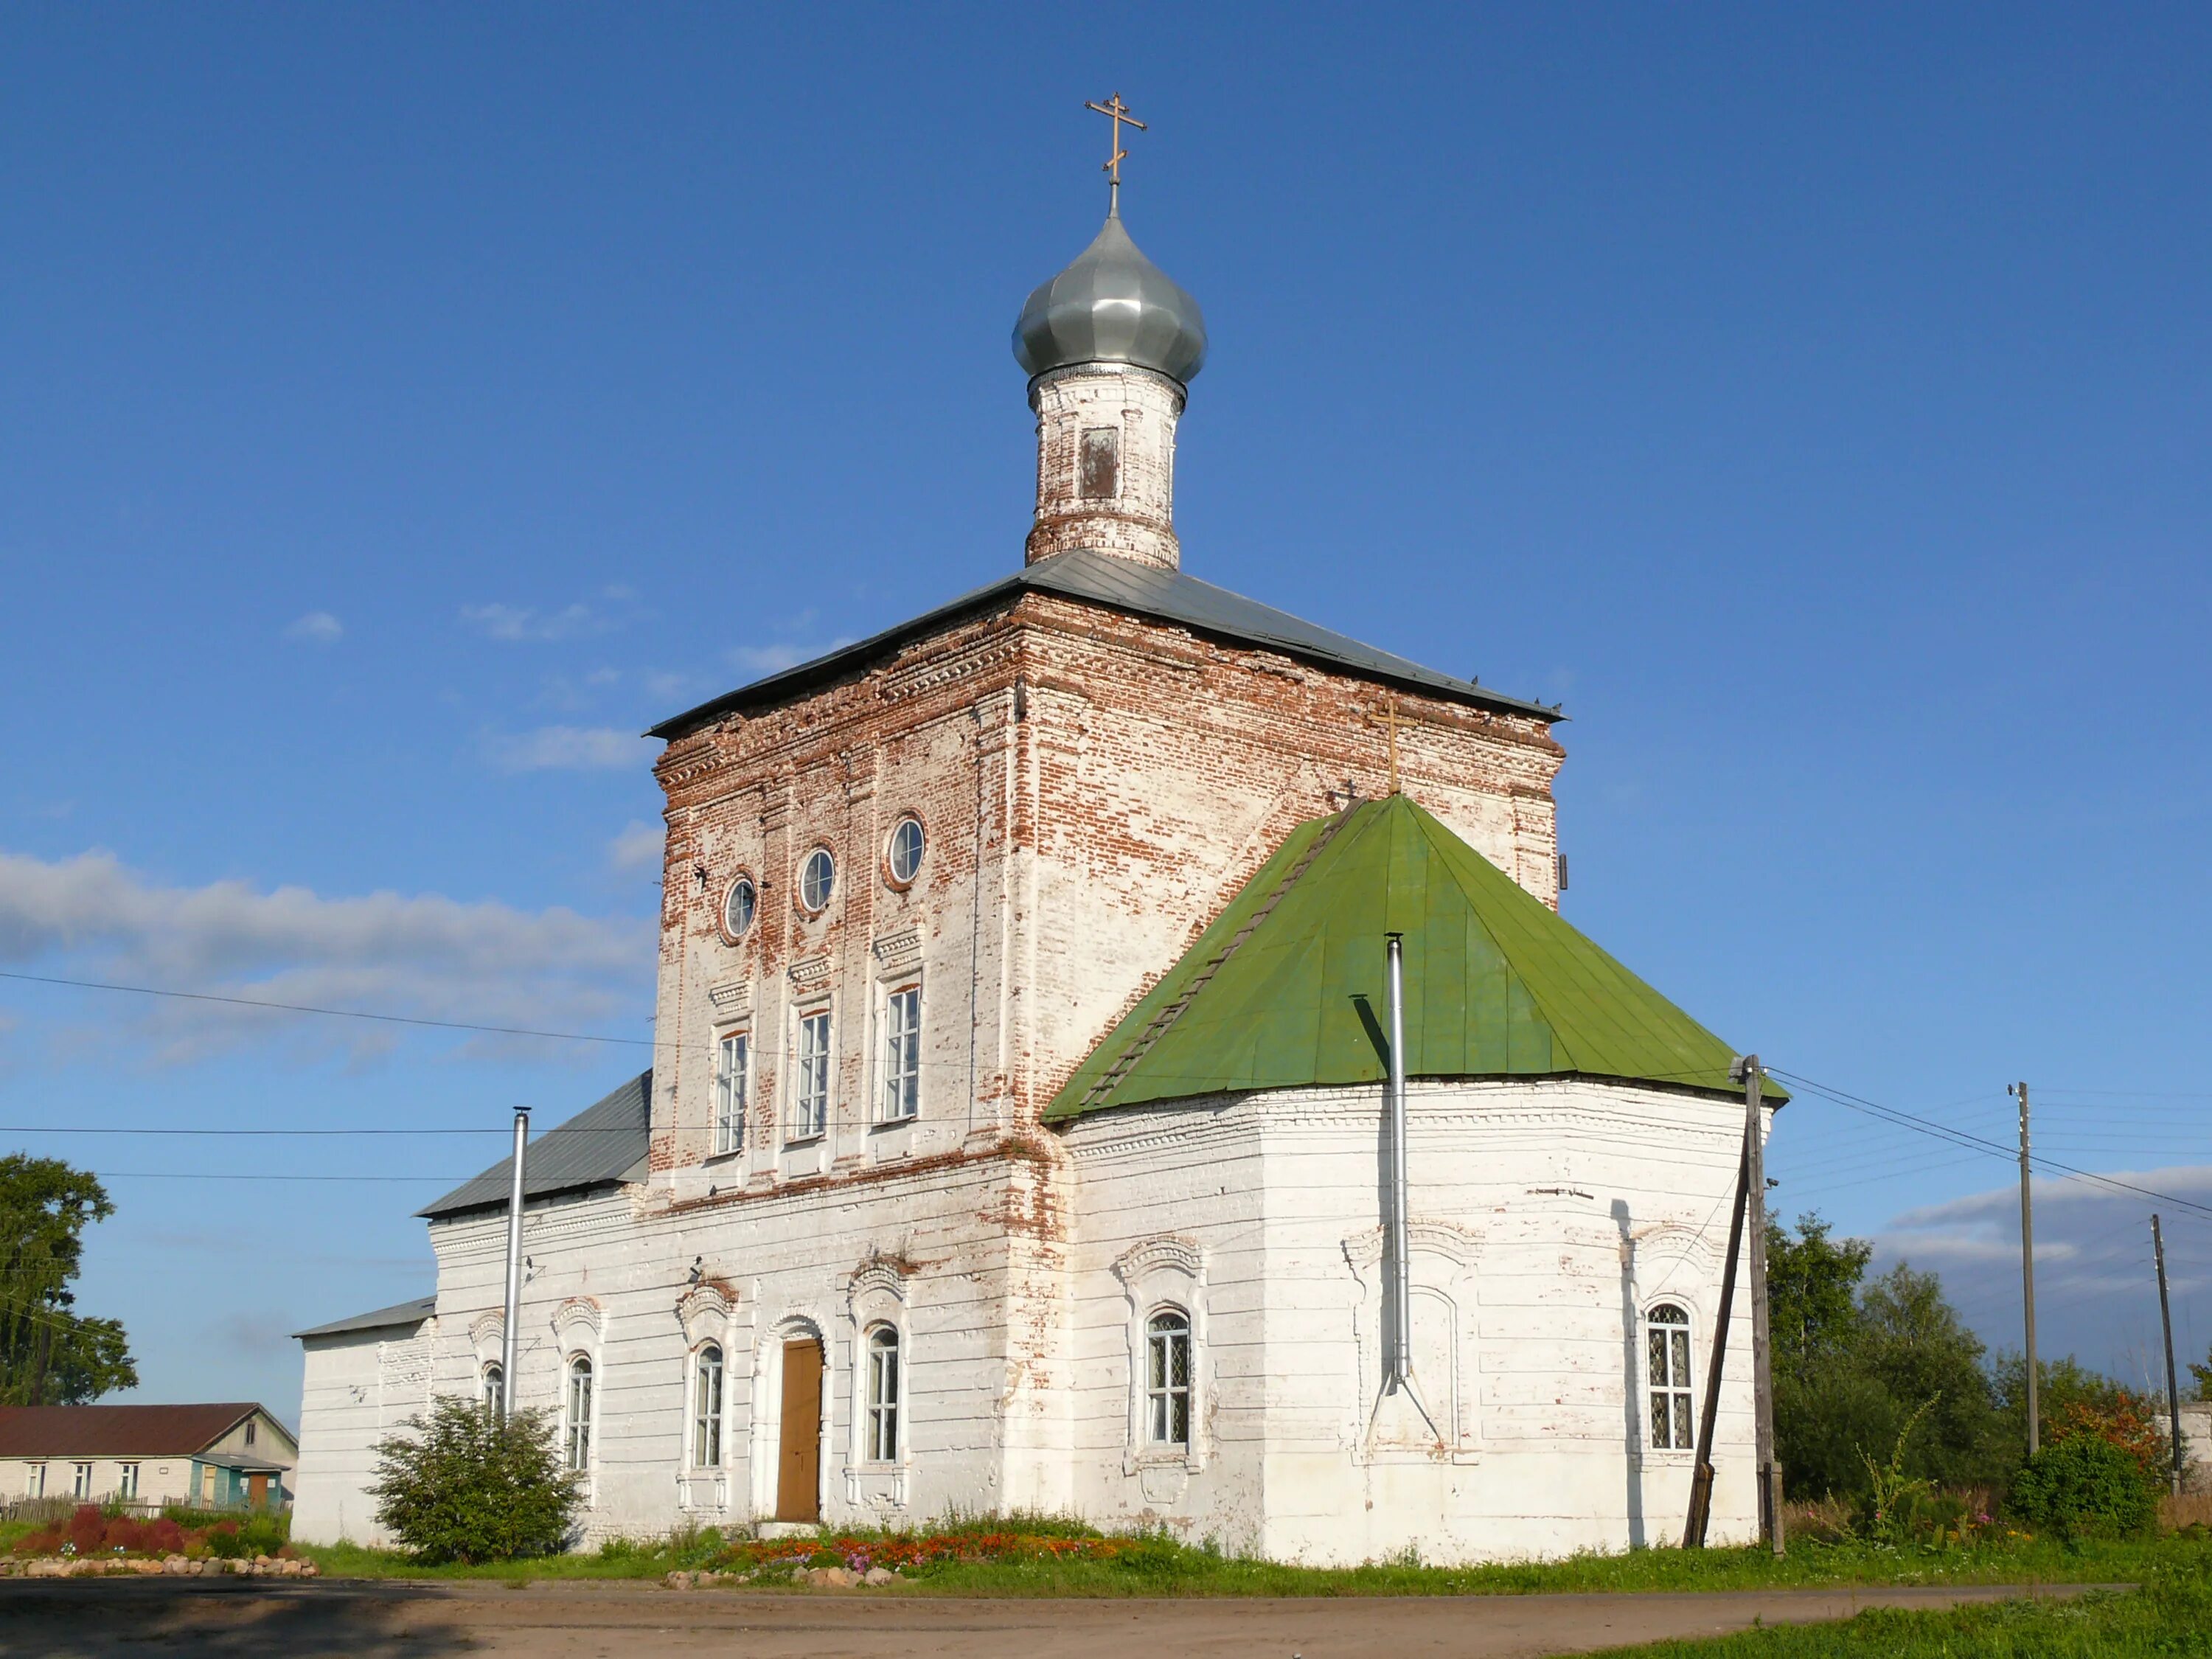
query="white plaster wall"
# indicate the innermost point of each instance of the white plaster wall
(924, 1251)
(1546, 1217)
(356, 1388)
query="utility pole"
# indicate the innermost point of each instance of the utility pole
(2027, 1272)
(1701, 1477)
(512, 1327)
(1762, 1369)
(2166, 1323)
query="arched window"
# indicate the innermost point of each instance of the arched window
(1167, 1377)
(494, 1386)
(706, 1408)
(576, 1435)
(883, 1394)
(1667, 1363)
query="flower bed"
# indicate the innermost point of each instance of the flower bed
(92, 1541)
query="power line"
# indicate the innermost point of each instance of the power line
(1963, 1138)
(331, 1013)
(110, 1129)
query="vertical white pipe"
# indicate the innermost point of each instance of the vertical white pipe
(1401, 1297)
(512, 1327)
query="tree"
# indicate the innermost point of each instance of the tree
(468, 1485)
(1824, 1408)
(1854, 1361)
(2203, 1375)
(49, 1356)
(1912, 1340)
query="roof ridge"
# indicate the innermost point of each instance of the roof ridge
(1161, 1023)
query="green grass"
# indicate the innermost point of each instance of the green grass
(1162, 1566)
(2171, 1616)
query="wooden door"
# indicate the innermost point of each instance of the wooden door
(798, 1462)
(257, 1490)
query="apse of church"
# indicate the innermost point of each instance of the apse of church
(1013, 1139)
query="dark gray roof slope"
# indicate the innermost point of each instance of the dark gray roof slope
(599, 1145)
(1140, 590)
(397, 1315)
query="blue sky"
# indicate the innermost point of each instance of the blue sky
(405, 405)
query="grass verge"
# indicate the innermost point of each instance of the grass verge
(1156, 1565)
(2170, 1616)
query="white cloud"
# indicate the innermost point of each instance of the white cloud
(566, 748)
(637, 847)
(422, 955)
(522, 621)
(316, 628)
(2095, 1293)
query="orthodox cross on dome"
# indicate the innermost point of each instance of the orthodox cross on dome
(1117, 112)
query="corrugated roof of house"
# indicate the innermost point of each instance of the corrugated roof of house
(1140, 590)
(399, 1314)
(1287, 988)
(603, 1143)
(85, 1431)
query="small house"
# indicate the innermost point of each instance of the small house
(230, 1455)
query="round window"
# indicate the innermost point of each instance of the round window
(818, 879)
(737, 908)
(906, 850)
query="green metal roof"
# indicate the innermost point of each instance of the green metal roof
(1287, 988)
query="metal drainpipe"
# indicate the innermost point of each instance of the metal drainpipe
(512, 1327)
(1402, 1300)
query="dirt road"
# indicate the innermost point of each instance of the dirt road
(260, 1619)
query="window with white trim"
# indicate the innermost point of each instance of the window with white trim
(127, 1488)
(34, 1483)
(883, 1394)
(491, 1386)
(817, 880)
(1667, 1364)
(738, 907)
(809, 1104)
(706, 1408)
(1167, 1378)
(902, 1091)
(576, 1429)
(902, 852)
(732, 1077)
(81, 1484)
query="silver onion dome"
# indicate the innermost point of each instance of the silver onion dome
(1112, 306)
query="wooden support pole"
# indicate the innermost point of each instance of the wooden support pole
(1701, 1478)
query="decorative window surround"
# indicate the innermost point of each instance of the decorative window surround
(898, 951)
(1441, 1266)
(733, 999)
(1168, 1271)
(1671, 1263)
(876, 1298)
(709, 1312)
(812, 971)
(488, 1337)
(578, 1324)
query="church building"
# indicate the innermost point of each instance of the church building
(1019, 1135)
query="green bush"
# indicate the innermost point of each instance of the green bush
(469, 1485)
(2084, 1487)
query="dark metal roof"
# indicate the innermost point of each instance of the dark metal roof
(1140, 590)
(409, 1314)
(601, 1145)
(119, 1430)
